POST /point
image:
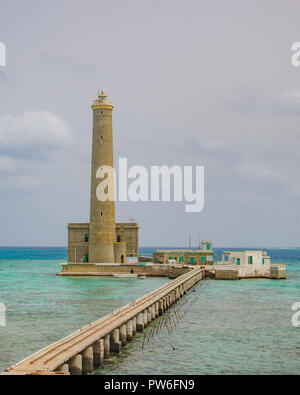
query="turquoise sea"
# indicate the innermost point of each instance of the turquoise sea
(230, 326)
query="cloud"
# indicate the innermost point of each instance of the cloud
(7, 164)
(29, 143)
(260, 171)
(255, 105)
(33, 134)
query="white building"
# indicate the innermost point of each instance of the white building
(248, 263)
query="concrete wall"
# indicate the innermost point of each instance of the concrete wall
(227, 274)
(277, 272)
(77, 246)
(88, 269)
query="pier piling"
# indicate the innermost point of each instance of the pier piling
(63, 368)
(75, 365)
(115, 344)
(140, 322)
(129, 330)
(145, 317)
(87, 361)
(98, 350)
(106, 346)
(87, 348)
(123, 335)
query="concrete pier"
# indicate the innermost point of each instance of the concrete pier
(123, 334)
(165, 303)
(98, 351)
(153, 314)
(86, 348)
(88, 361)
(156, 309)
(63, 368)
(106, 346)
(134, 326)
(149, 315)
(75, 365)
(145, 315)
(115, 344)
(161, 307)
(129, 330)
(140, 322)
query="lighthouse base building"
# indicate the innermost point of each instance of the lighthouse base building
(126, 247)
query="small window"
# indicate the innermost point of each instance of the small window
(119, 238)
(192, 260)
(181, 259)
(226, 258)
(86, 238)
(250, 260)
(238, 261)
(202, 259)
(208, 247)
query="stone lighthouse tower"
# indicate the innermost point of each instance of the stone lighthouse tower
(102, 235)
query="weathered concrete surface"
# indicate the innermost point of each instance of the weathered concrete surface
(69, 349)
(115, 344)
(63, 368)
(129, 330)
(277, 272)
(88, 361)
(106, 346)
(227, 274)
(98, 350)
(140, 322)
(75, 365)
(106, 269)
(123, 335)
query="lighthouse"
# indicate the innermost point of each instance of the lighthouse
(102, 235)
(102, 240)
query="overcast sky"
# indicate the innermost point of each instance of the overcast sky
(194, 83)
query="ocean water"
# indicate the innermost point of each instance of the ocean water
(228, 326)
